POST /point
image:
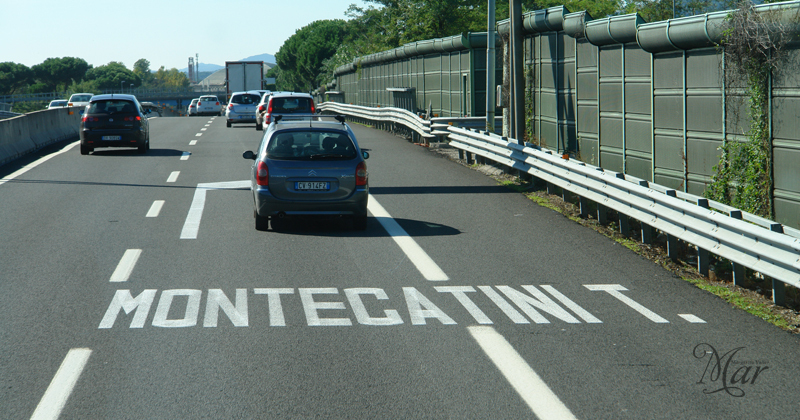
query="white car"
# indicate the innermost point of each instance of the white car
(209, 105)
(80, 100)
(242, 108)
(191, 111)
(58, 103)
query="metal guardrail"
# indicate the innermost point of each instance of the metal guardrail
(743, 238)
(382, 115)
(439, 125)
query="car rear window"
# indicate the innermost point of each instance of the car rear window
(81, 98)
(208, 98)
(112, 106)
(245, 99)
(291, 105)
(311, 145)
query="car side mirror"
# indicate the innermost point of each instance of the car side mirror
(249, 155)
(365, 154)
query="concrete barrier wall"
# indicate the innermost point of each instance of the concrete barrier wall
(26, 133)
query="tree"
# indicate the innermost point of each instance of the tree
(13, 77)
(111, 76)
(301, 57)
(141, 68)
(57, 73)
(170, 79)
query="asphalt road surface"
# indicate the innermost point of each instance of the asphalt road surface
(136, 287)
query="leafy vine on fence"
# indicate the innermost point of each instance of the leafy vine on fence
(754, 49)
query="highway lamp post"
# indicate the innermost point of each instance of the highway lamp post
(131, 92)
(120, 86)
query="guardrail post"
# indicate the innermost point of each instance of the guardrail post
(624, 224)
(703, 258)
(469, 158)
(737, 269)
(460, 154)
(648, 234)
(778, 292)
(672, 247)
(602, 214)
(584, 204)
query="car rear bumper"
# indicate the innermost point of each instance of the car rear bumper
(128, 138)
(268, 205)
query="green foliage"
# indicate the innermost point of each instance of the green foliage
(57, 73)
(141, 68)
(658, 10)
(29, 106)
(301, 57)
(13, 77)
(113, 75)
(169, 79)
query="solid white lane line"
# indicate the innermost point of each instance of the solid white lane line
(192, 223)
(155, 208)
(692, 318)
(429, 269)
(192, 143)
(37, 162)
(61, 386)
(125, 266)
(185, 155)
(542, 401)
(173, 176)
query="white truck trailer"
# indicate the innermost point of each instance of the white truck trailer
(241, 76)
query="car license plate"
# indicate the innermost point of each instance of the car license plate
(312, 186)
(241, 117)
(111, 138)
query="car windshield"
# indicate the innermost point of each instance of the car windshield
(246, 99)
(111, 107)
(81, 98)
(291, 105)
(311, 145)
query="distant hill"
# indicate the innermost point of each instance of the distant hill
(211, 68)
(267, 58)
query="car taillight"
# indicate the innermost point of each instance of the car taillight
(361, 174)
(90, 119)
(313, 107)
(217, 103)
(262, 174)
(136, 118)
(261, 108)
(230, 105)
(199, 103)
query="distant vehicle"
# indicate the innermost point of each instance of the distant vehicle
(114, 120)
(151, 107)
(243, 76)
(290, 105)
(80, 100)
(261, 108)
(209, 105)
(58, 103)
(242, 108)
(191, 111)
(309, 168)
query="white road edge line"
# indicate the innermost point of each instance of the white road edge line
(38, 162)
(155, 209)
(125, 266)
(61, 386)
(540, 398)
(192, 223)
(429, 269)
(173, 176)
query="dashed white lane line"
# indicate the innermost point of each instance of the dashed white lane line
(692, 318)
(61, 386)
(616, 291)
(192, 143)
(185, 155)
(37, 162)
(125, 266)
(155, 209)
(203, 129)
(429, 269)
(173, 176)
(541, 400)
(198, 134)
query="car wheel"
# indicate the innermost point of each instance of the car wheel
(143, 148)
(228, 123)
(360, 222)
(258, 127)
(85, 150)
(262, 223)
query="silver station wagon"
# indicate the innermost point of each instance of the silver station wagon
(309, 168)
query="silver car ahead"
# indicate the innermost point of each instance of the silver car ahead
(309, 168)
(242, 107)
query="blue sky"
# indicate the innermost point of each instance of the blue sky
(165, 32)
